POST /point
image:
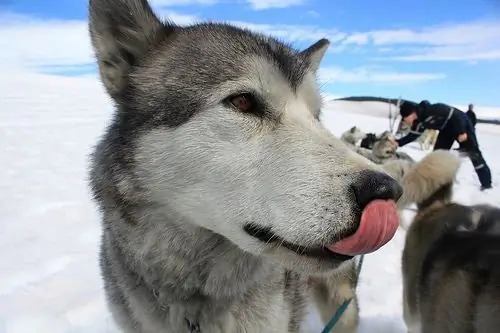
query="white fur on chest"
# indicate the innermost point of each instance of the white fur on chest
(262, 313)
(267, 313)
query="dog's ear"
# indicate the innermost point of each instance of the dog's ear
(353, 129)
(315, 53)
(122, 31)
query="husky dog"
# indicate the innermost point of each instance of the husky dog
(377, 148)
(451, 259)
(382, 150)
(220, 190)
(330, 290)
(385, 149)
(353, 135)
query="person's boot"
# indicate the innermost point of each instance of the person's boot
(485, 187)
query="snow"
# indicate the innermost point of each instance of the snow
(50, 280)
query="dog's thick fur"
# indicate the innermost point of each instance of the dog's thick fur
(353, 135)
(398, 168)
(218, 185)
(330, 291)
(451, 259)
(381, 148)
(385, 150)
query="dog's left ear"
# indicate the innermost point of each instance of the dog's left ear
(315, 53)
(122, 32)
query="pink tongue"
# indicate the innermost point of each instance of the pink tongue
(379, 222)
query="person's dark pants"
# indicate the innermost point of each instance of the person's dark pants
(445, 141)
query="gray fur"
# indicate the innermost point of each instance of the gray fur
(330, 291)
(181, 174)
(352, 135)
(418, 179)
(434, 171)
(398, 169)
(450, 262)
(383, 149)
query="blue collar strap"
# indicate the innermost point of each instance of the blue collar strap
(340, 311)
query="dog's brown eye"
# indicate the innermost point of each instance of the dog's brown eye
(243, 102)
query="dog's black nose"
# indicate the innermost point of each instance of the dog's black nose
(372, 185)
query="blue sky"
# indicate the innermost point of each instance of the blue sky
(417, 49)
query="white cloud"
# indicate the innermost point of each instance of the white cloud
(357, 38)
(181, 19)
(30, 42)
(291, 33)
(479, 40)
(266, 4)
(294, 32)
(27, 42)
(313, 13)
(358, 75)
(451, 53)
(449, 34)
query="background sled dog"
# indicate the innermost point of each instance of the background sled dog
(451, 261)
(352, 135)
(219, 188)
(385, 149)
(382, 147)
(330, 290)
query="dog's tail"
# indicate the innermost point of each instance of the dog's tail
(430, 181)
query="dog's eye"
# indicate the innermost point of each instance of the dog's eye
(244, 102)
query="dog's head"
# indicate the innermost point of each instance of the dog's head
(353, 135)
(385, 135)
(354, 130)
(220, 127)
(384, 145)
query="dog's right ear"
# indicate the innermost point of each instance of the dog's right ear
(353, 129)
(315, 53)
(121, 31)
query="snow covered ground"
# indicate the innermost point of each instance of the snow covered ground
(49, 236)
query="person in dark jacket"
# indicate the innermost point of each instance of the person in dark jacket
(472, 115)
(452, 127)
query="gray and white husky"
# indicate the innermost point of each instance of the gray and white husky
(383, 148)
(353, 136)
(451, 259)
(220, 189)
